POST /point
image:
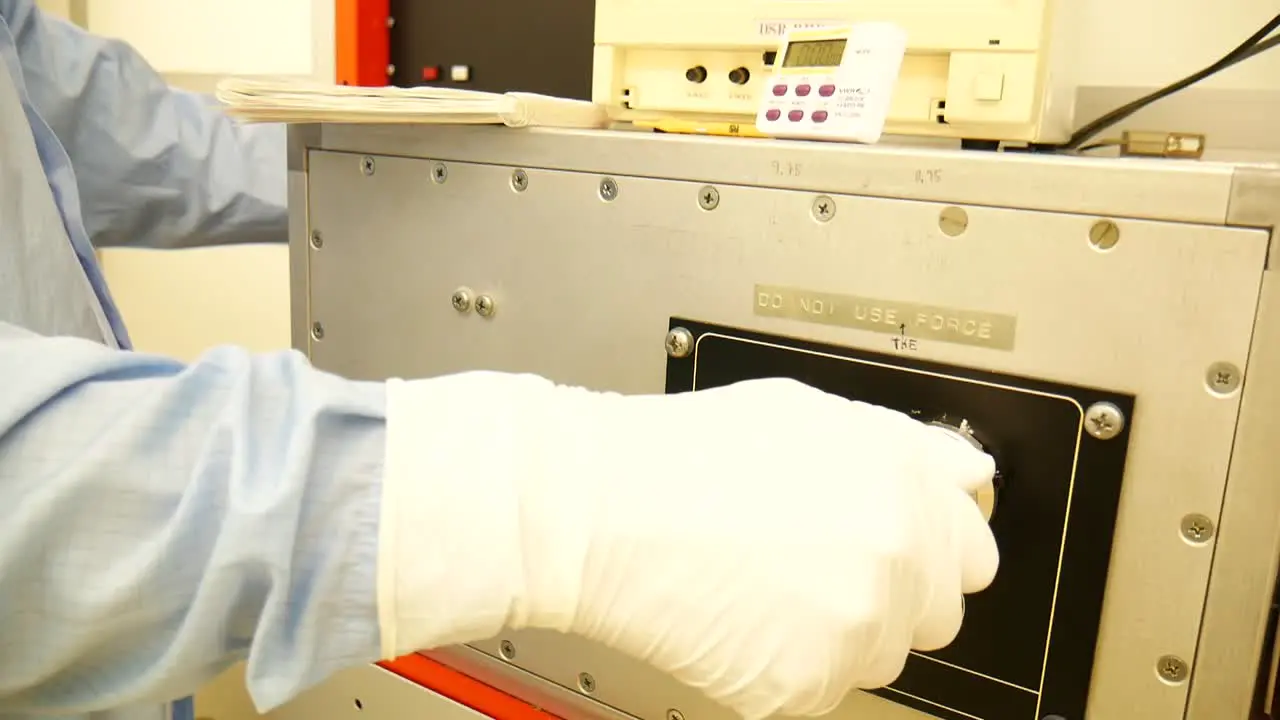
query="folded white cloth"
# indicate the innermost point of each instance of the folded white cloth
(295, 101)
(766, 542)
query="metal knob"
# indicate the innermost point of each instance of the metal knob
(984, 496)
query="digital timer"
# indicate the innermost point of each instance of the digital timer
(833, 83)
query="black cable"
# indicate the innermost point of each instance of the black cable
(1258, 49)
(1256, 37)
(1099, 145)
(1247, 49)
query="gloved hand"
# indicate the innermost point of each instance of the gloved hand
(766, 542)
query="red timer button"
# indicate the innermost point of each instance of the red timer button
(803, 90)
(827, 90)
(795, 115)
(779, 90)
(819, 116)
(772, 115)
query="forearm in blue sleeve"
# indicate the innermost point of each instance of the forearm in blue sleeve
(155, 166)
(162, 520)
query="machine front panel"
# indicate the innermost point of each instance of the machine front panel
(1012, 319)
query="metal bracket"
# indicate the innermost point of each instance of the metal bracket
(301, 139)
(1255, 202)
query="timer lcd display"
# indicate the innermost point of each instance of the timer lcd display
(814, 53)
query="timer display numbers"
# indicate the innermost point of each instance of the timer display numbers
(815, 53)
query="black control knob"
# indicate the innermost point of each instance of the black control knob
(984, 496)
(696, 74)
(739, 76)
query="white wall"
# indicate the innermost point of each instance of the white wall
(61, 8)
(1150, 43)
(181, 303)
(228, 36)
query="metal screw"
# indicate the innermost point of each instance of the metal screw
(608, 190)
(485, 306)
(1222, 378)
(679, 343)
(1104, 235)
(953, 221)
(366, 165)
(1103, 420)
(391, 69)
(461, 300)
(674, 714)
(1172, 669)
(824, 208)
(317, 240)
(586, 683)
(708, 198)
(1197, 528)
(519, 180)
(317, 331)
(439, 173)
(391, 22)
(508, 649)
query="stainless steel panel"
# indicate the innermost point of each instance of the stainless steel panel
(1247, 557)
(583, 289)
(1135, 188)
(371, 692)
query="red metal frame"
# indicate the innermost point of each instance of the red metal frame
(362, 41)
(464, 689)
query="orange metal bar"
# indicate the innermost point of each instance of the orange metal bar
(362, 41)
(463, 689)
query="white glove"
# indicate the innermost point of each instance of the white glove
(766, 542)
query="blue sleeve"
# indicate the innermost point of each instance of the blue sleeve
(162, 521)
(155, 166)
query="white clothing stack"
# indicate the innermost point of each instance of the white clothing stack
(294, 101)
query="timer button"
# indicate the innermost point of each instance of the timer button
(779, 90)
(803, 90)
(696, 74)
(819, 116)
(827, 90)
(773, 114)
(795, 115)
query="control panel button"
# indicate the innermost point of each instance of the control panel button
(696, 74)
(803, 90)
(773, 114)
(827, 90)
(460, 73)
(779, 90)
(431, 73)
(819, 116)
(795, 115)
(739, 76)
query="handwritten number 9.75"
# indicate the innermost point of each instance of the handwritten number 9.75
(928, 177)
(782, 168)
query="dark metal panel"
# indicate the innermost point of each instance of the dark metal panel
(542, 47)
(1026, 649)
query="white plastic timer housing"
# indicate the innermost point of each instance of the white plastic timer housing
(833, 83)
(980, 69)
